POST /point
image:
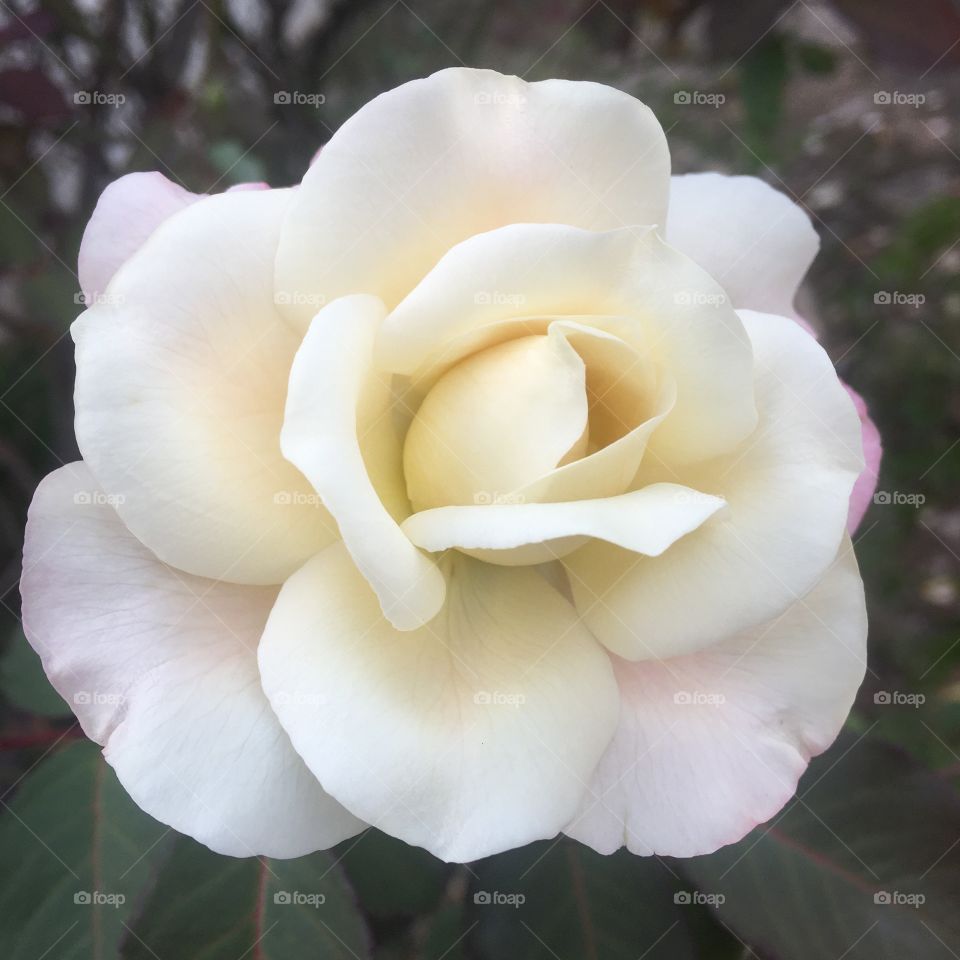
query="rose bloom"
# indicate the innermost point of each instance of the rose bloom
(481, 487)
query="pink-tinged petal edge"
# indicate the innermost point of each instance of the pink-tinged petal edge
(862, 494)
(127, 213)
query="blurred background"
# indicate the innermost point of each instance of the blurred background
(848, 106)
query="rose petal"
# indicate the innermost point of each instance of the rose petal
(712, 744)
(629, 396)
(437, 160)
(753, 240)
(681, 317)
(497, 421)
(787, 488)
(128, 211)
(181, 381)
(862, 494)
(336, 399)
(469, 736)
(646, 521)
(161, 668)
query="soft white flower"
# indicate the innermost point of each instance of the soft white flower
(480, 487)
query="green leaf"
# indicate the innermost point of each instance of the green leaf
(863, 863)
(921, 238)
(558, 899)
(23, 682)
(763, 82)
(77, 853)
(390, 877)
(220, 908)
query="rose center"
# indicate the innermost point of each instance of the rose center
(512, 413)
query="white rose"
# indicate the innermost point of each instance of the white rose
(519, 499)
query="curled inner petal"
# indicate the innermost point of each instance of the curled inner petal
(498, 420)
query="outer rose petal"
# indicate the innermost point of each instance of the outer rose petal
(712, 744)
(161, 668)
(755, 241)
(128, 211)
(787, 488)
(862, 494)
(181, 382)
(469, 736)
(437, 160)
